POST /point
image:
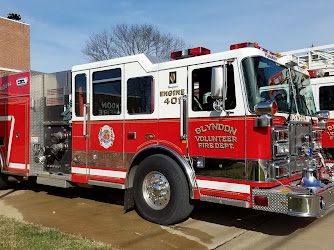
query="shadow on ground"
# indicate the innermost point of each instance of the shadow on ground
(248, 219)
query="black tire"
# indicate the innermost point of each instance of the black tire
(170, 185)
(3, 181)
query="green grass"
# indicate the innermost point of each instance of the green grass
(20, 235)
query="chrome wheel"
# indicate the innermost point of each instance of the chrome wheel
(156, 190)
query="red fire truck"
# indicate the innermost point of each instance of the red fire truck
(319, 61)
(238, 128)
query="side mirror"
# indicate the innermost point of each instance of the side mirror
(265, 110)
(322, 115)
(217, 83)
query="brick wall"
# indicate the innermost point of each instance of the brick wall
(14, 45)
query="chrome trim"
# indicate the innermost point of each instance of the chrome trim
(85, 120)
(62, 183)
(263, 121)
(53, 176)
(299, 202)
(184, 118)
(1, 163)
(274, 141)
(265, 108)
(11, 97)
(322, 114)
(189, 170)
(311, 205)
(106, 184)
(225, 201)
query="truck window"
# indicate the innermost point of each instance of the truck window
(139, 95)
(201, 88)
(326, 98)
(80, 94)
(107, 92)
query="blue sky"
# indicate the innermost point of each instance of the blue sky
(59, 29)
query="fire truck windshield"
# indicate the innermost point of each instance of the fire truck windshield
(265, 81)
(304, 97)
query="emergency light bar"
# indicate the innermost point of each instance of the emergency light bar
(316, 73)
(189, 52)
(252, 45)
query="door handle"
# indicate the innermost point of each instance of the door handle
(84, 122)
(86, 110)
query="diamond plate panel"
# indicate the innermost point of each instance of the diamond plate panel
(278, 201)
(36, 119)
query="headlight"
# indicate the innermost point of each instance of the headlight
(279, 169)
(316, 145)
(280, 140)
(316, 139)
(316, 135)
(281, 149)
(281, 135)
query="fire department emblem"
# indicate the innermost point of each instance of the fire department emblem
(106, 136)
(172, 77)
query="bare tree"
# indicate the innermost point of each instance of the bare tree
(124, 40)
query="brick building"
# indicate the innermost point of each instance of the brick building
(14, 46)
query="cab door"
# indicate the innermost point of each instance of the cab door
(80, 125)
(105, 155)
(216, 139)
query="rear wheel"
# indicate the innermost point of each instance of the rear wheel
(161, 191)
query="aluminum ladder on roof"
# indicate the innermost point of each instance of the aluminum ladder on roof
(314, 58)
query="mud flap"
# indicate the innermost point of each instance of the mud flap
(129, 202)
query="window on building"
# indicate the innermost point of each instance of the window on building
(140, 95)
(326, 98)
(80, 94)
(201, 88)
(107, 92)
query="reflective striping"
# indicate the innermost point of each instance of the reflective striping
(79, 170)
(99, 172)
(226, 186)
(12, 119)
(18, 166)
(108, 173)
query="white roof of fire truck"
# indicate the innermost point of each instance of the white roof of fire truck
(190, 57)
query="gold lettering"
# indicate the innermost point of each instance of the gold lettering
(203, 129)
(214, 126)
(197, 131)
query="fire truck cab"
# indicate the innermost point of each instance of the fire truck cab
(238, 128)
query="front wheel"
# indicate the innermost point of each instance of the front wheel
(161, 191)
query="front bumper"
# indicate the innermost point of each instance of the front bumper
(296, 201)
